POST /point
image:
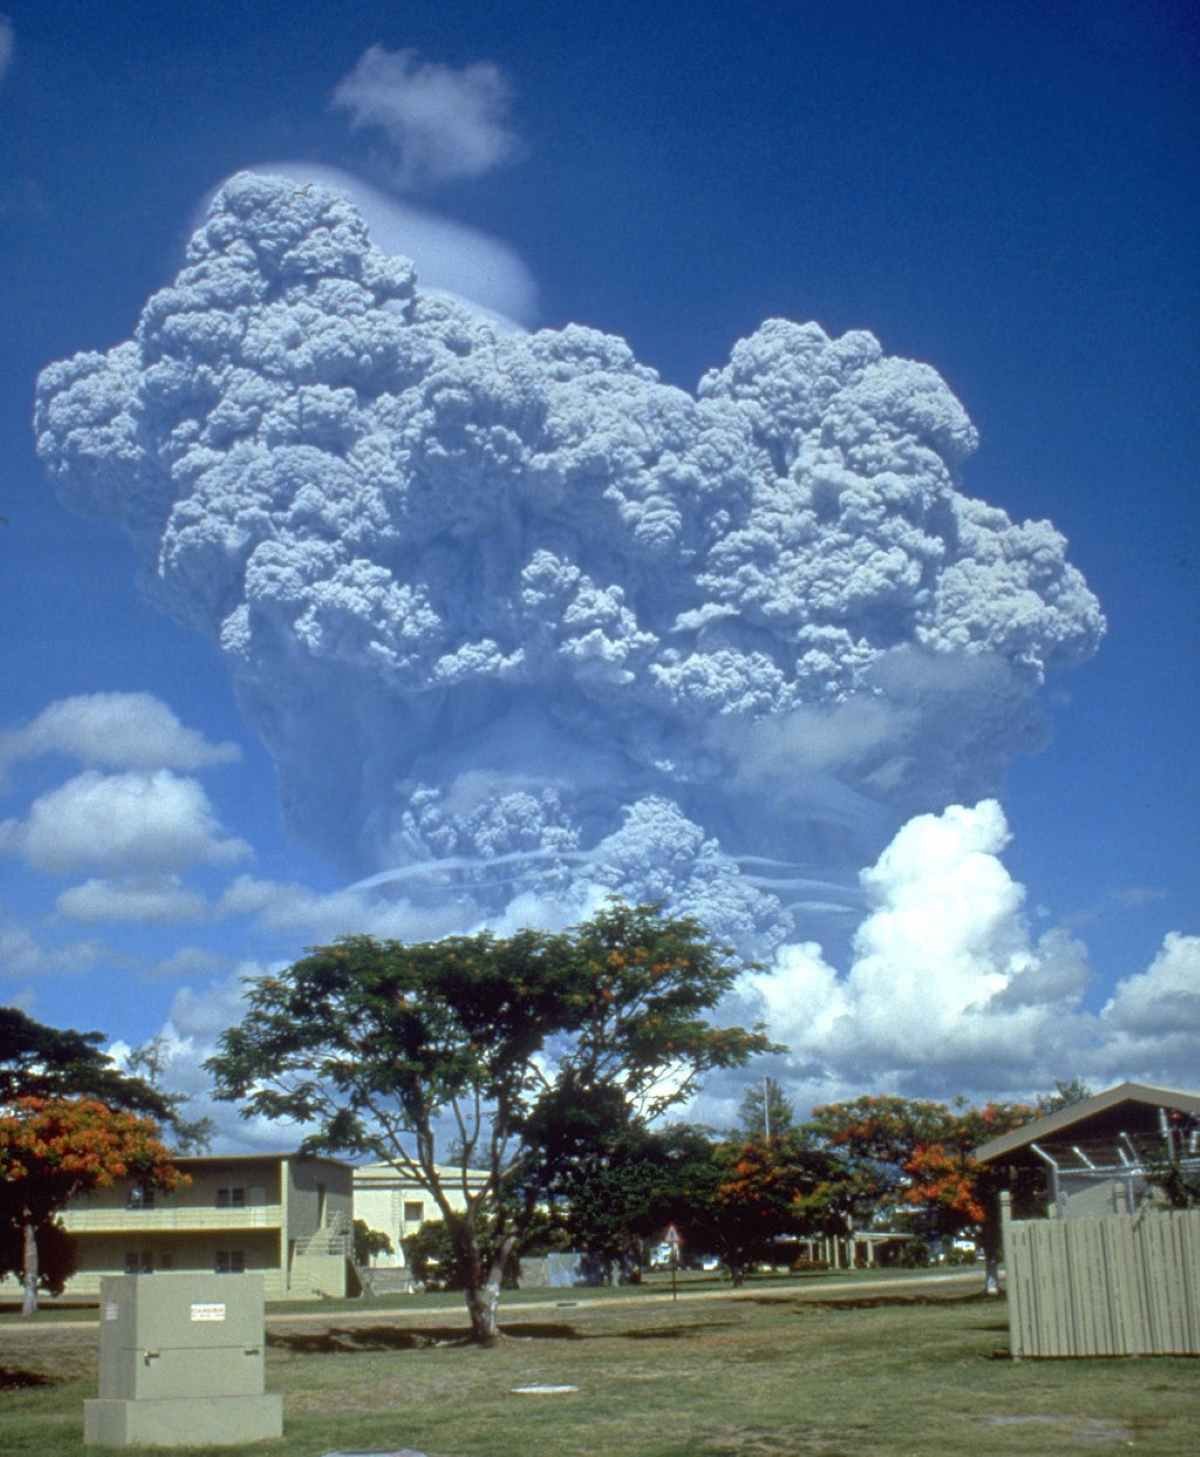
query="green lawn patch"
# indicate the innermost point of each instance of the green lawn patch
(764, 1373)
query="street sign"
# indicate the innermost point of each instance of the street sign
(673, 1237)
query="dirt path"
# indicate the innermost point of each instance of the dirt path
(23, 1330)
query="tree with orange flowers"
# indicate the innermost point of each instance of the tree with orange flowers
(767, 1188)
(915, 1152)
(958, 1193)
(52, 1150)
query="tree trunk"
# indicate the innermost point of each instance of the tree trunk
(991, 1255)
(483, 1303)
(483, 1292)
(29, 1268)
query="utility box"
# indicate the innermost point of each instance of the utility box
(181, 1363)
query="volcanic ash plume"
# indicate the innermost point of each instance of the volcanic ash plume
(519, 621)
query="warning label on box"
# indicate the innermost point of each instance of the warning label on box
(206, 1311)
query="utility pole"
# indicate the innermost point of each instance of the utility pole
(767, 1107)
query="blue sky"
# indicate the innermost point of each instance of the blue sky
(1007, 194)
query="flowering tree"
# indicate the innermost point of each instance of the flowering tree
(960, 1193)
(54, 1149)
(769, 1188)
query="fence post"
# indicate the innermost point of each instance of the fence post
(1011, 1277)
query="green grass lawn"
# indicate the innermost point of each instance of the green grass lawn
(654, 1284)
(765, 1373)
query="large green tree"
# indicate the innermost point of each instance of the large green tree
(504, 1055)
(37, 1061)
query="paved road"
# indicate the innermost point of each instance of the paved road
(826, 1289)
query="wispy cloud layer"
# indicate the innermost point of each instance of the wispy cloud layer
(7, 45)
(23, 956)
(439, 123)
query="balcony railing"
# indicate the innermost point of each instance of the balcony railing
(172, 1216)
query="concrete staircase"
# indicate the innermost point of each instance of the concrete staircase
(321, 1266)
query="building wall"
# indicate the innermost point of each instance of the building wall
(318, 1191)
(397, 1206)
(105, 1254)
(258, 1178)
(260, 1208)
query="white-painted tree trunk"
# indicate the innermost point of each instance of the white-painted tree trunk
(29, 1269)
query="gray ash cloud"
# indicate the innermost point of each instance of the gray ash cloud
(517, 619)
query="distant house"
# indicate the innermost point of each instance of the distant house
(397, 1205)
(281, 1215)
(1095, 1153)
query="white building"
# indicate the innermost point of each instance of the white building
(397, 1205)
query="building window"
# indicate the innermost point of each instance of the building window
(414, 1211)
(139, 1262)
(231, 1198)
(140, 1197)
(231, 1262)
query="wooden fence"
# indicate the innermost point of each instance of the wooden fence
(1115, 1285)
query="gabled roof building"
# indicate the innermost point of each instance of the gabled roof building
(1096, 1153)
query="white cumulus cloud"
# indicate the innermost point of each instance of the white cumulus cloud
(948, 989)
(151, 899)
(122, 824)
(115, 731)
(441, 123)
(1165, 998)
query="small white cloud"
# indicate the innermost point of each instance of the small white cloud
(115, 731)
(192, 961)
(442, 123)
(6, 45)
(1134, 897)
(152, 899)
(21, 955)
(122, 824)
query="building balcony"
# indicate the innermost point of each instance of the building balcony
(170, 1217)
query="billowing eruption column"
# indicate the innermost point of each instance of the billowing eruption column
(517, 619)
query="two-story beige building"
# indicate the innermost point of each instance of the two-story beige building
(283, 1216)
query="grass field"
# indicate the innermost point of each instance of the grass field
(765, 1373)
